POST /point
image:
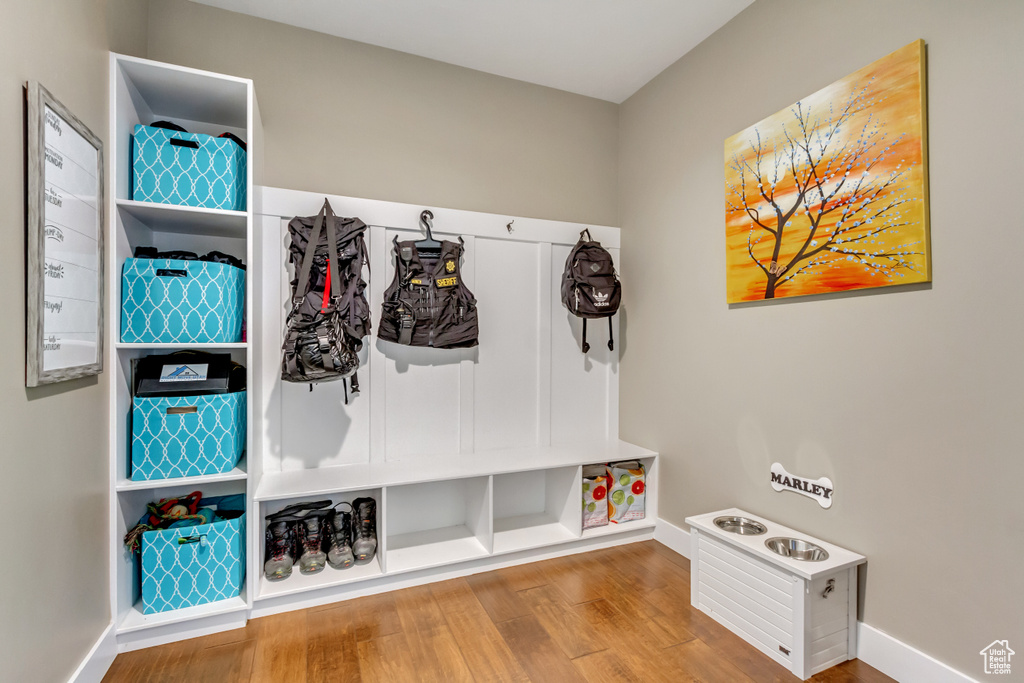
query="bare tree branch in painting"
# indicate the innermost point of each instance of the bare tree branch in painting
(833, 209)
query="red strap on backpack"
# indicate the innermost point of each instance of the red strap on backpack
(327, 290)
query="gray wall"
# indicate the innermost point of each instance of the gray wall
(353, 119)
(910, 401)
(55, 595)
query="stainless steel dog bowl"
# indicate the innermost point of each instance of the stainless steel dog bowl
(740, 525)
(796, 549)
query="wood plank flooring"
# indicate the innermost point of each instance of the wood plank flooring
(617, 615)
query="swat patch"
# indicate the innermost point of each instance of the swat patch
(447, 281)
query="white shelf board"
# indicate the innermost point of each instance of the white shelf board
(529, 531)
(206, 346)
(327, 480)
(191, 220)
(135, 620)
(299, 583)
(838, 558)
(432, 548)
(236, 474)
(611, 529)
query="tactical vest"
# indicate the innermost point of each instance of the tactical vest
(427, 304)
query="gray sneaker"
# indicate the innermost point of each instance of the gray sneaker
(313, 559)
(339, 554)
(278, 552)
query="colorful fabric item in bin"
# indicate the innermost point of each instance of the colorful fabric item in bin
(595, 496)
(626, 491)
(184, 511)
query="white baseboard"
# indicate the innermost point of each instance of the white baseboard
(676, 538)
(901, 661)
(875, 648)
(95, 665)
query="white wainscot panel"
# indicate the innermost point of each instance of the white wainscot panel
(318, 429)
(580, 384)
(422, 387)
(506, 375)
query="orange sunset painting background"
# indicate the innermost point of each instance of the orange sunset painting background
(831, 194)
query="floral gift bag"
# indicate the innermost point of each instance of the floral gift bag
(595, 496)
(625, 491)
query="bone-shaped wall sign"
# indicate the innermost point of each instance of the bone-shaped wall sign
(818, 489)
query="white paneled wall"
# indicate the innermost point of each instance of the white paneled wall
(506, 379)
(526, 384)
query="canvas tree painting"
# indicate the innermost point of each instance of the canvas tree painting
(831, 194)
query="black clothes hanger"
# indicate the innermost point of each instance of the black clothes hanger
(428, 247)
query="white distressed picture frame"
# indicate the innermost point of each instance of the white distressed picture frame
(72, 155)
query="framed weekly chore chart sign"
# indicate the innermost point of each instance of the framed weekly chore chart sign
(64, 308)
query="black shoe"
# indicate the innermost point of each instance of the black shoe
(364, 543)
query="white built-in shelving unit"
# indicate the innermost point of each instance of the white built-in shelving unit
(474, 456)
(143, 91)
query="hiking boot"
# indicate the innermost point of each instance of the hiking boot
(339, 553)
(313, 559)
(364, 536)
(278, 552)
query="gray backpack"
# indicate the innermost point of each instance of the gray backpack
(329, 315)
(590, 287)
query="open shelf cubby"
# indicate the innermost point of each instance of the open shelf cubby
(651, 505)
(329, 576)
(201, 102)
(536, 508)
(437, 523)
(130, 506)
(122, 395)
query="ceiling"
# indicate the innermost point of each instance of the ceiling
(606, 49)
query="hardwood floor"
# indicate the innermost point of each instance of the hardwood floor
(619, 614)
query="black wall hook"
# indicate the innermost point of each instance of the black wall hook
(427, 222)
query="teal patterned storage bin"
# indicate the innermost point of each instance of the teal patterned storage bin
(193, 565)
(187, 436)
(178, 301)
(188, 169)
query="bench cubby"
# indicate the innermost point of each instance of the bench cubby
(536, 508)
(438, 523)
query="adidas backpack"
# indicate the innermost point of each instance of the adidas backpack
(590, 287)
